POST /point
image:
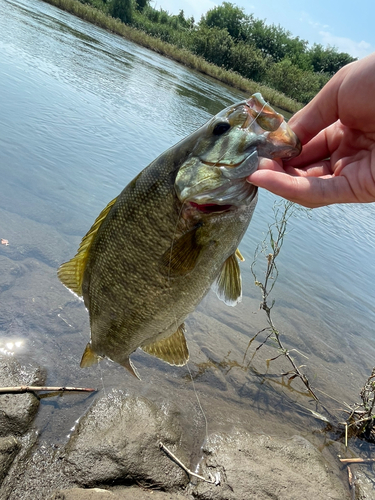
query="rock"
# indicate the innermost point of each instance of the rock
(18, 410)
(118, 441)
(9, 447)
(264, 468)
(123, 494)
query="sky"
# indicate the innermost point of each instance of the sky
(346, 25)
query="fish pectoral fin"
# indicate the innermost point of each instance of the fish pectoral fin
(183, 255)
(228, 284)
(172, 350)
(127, 363)
(89, 357)
(71, 273)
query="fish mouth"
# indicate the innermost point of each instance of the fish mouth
(218, 164)
(210, 208)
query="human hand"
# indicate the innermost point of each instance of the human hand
(337, 132)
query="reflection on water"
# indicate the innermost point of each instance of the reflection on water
(10, 347)
(82, 112)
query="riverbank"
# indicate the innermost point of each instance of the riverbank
(110, 454)
(183, 56)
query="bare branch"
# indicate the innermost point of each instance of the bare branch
(30, 388)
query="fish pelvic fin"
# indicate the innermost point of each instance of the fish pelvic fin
(173, 350)
(183, 255)
(127, 363)
(71, 273)
(89, 357)
(239, 255)
(228, 285)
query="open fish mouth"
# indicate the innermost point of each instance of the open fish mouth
(210, 208)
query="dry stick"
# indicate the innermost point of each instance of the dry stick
(272, 268)
(357, 460)
(178, 462)
(30, 388)
(350, 477)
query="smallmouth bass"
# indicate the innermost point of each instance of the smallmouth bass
(154, 252)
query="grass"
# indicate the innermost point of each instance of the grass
(183, 56)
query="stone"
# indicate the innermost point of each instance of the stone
(133, 493)
(261, 467)
(9, 447)
(118, 441)
(18, 410)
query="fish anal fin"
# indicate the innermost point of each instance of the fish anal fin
(228, 284)
(71, 273)
(89, 357)
(172, 350)
(183, 255)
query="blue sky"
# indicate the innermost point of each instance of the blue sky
(349, 26)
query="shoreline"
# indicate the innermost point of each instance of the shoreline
(182, 56)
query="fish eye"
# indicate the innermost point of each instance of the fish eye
(221, 128)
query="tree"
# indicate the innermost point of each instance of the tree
(141, 4)
(328, 60)
(226, 16)
(122, 9)
(213, 44)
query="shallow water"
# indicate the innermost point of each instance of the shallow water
(82, 112)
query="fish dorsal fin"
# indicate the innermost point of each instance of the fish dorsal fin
(71, 273)
(182, 256)
(228, 284)
(89, 357)
(172, 350)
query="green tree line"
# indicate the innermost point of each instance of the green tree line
(230, 38)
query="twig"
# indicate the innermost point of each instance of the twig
(30, 388)
(346, 435)
(270, 278)
(188, 471)
(350, 477)
(357, 460)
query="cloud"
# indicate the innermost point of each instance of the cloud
(355, 49)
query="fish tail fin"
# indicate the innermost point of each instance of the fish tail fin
(71, 273)
(89, 357)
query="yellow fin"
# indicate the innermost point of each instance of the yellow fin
(71, 273)
(172, 350)
(183, 255)
(228, 284)
(89, 357)
(241, 258)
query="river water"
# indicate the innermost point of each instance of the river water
(82, 112)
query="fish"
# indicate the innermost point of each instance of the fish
(155, 250)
